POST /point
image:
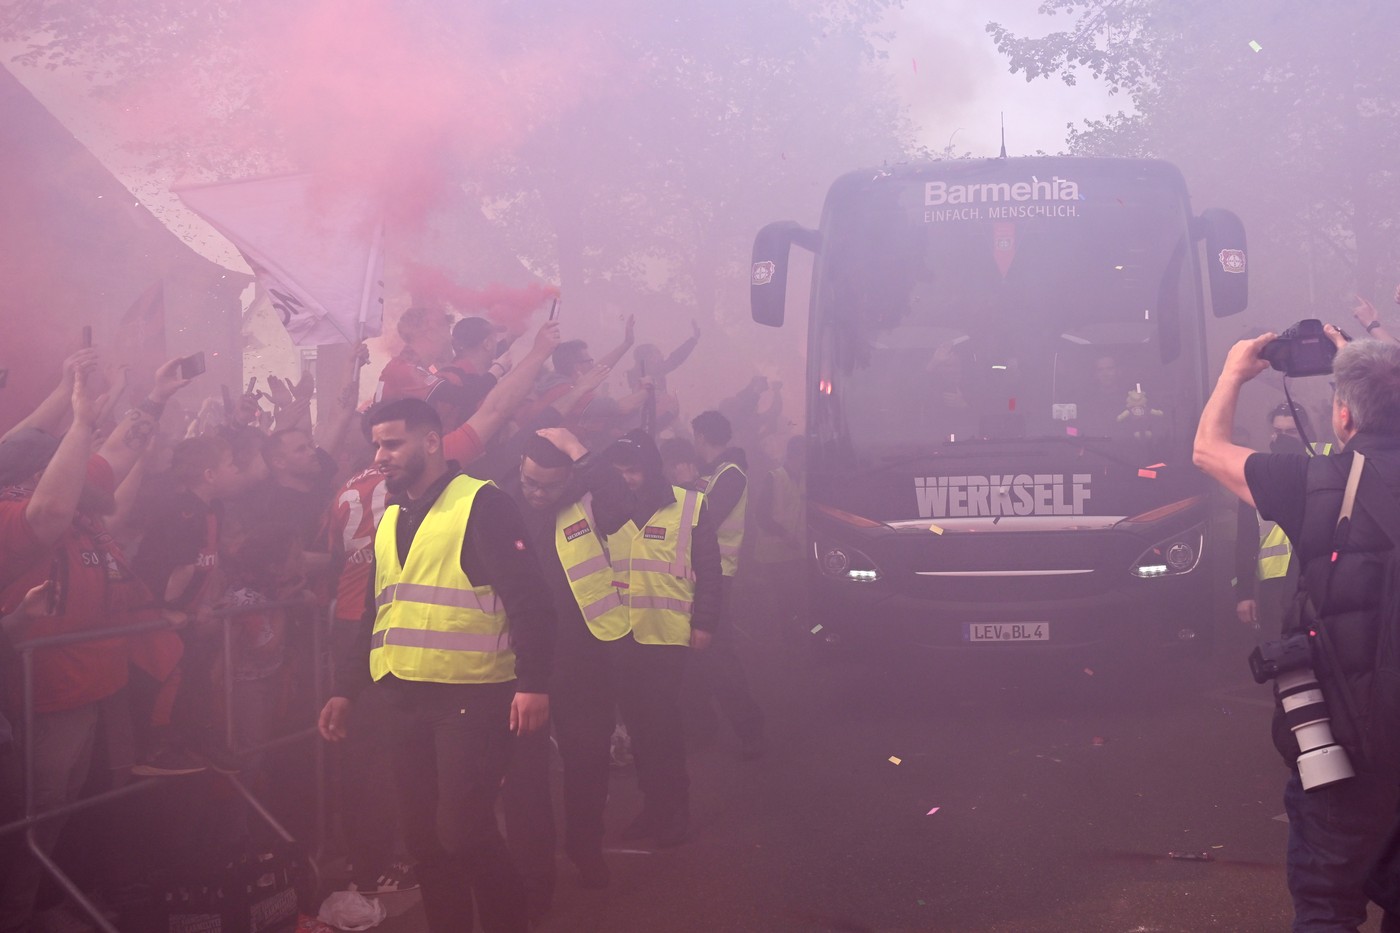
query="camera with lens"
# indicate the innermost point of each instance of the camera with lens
(1301, 350)
(1288, 663)
(1279, 657)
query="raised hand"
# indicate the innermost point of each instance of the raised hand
(168, 381)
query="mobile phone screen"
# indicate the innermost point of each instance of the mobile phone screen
(192, 365)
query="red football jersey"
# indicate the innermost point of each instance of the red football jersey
(358, 508)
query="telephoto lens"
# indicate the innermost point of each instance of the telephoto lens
(1321, 762)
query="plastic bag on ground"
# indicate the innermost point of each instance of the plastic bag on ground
(348, 910)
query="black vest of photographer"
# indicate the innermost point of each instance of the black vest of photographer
(1346, 593)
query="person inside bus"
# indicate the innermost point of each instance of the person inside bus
(946, 407)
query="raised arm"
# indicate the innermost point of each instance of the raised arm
(55, 501)
(51, 412)
(629, 337)
(1369, 318)
(681, 353)
(133, 433)
(502, 401)
(1216, 453)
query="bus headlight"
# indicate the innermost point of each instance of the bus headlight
(1173, 556)
(838, 562)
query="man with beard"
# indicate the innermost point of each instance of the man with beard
(55, 495)
(458, 633)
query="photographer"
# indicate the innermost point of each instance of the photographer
(1337, 828)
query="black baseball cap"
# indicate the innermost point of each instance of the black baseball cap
(24, 453)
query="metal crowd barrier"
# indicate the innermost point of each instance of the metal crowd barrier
(31, 819)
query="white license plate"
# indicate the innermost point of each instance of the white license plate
(1007, 631)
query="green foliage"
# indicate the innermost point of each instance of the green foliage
(1283, 110)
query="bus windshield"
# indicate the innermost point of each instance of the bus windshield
(977, 305)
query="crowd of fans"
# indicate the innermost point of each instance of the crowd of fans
(236, 536)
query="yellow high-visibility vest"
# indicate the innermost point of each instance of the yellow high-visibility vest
(788, 513)
(584, 555)
(660, 577)
(1275, 552)
(433, 624)
(731, 530)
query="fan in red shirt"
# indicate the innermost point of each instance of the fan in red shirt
(51, 534)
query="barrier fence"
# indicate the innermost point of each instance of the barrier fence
(32, 818)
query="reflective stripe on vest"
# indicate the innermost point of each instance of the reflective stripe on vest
(1275, 554)
(432, 623)
(731, 530)
(584, 556)
(655, 563)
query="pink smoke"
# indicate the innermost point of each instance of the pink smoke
(503, 305)
(398, 101)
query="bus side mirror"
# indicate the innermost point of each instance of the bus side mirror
(768, 275)
(1226, 261)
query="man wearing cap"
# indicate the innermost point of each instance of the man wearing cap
(667, 554)
(567, 498)
(55, 495)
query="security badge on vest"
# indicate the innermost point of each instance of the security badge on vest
(432, 623)
(653, 566)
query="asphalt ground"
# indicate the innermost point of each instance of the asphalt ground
(1061, 789)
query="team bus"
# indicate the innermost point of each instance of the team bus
(1006, 364)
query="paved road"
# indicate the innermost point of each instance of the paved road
(1059, 796)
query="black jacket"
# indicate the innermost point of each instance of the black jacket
(496, 552)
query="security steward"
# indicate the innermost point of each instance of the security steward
(1265, 575)
(666, 554)
(566, 497)
(720, 674)
(458, 633)
(1335, 831)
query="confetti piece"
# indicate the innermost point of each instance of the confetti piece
(921, 903)
(1097, 742)
(916, 65)
(935, 529)
(1089, 672)
(1147, 474)
(1072, 431)
(1217, 847)
(816, 628)
(931, 813)
(628, 852)
(1156, 466)
(894, 760)
(1255, 46)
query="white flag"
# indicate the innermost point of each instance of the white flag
(321, 261)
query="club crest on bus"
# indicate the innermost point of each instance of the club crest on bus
(763, 272)
(1232, 260)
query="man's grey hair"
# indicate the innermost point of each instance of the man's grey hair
(1368, 383)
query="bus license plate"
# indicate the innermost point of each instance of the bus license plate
(1007, 631)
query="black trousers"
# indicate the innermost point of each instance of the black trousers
(717, 678)
(594, 680)
(369, 813)
(450, 744)
(528, 806)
